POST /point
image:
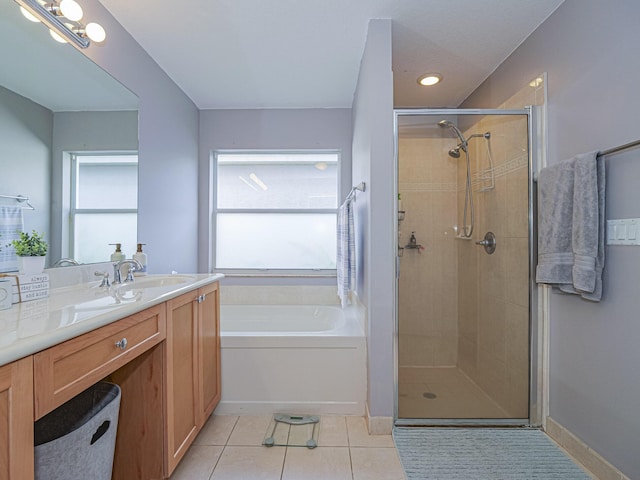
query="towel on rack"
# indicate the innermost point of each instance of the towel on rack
(11, 224)
(346, 251)
(571, 225)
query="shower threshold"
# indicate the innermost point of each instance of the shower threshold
(464, 422)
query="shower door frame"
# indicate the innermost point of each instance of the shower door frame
(536, 354)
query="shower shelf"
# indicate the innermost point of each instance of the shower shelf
(413, 246)
(400, 215)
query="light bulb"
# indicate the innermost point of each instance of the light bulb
(57, 37)
(71, 10)
(28, 15)
(95, 32)
(429, 79)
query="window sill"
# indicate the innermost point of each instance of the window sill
(275, 275)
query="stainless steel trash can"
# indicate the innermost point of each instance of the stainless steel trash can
(77, 440)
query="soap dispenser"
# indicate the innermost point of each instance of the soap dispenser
(141, 257)
(117, 256)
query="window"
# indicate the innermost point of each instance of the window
(104, 205)
(276, 211)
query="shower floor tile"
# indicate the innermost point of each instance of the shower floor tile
(442, 392)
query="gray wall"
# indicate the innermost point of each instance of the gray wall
(276, 129)
(589, 49)
(373, 163)
(25, 156)
(168, 147)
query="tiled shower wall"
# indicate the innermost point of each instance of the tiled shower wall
(427, 289)
(493, 348)
(493, 341)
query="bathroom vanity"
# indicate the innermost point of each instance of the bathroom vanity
(157, 338)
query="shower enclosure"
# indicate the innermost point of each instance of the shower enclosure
(465, 221)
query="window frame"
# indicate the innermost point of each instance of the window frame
(73, 190)
(268, 272)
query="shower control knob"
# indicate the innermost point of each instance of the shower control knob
(489, 243)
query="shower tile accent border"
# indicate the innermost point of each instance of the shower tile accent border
(501, 170)
(427, 187)
(589, 458)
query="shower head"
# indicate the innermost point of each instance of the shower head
(455, 152)
(448, 124)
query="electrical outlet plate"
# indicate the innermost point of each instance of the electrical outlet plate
(624, 231)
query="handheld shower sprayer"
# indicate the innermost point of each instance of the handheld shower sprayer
(455, 152)
(467, 231)
(448, 124)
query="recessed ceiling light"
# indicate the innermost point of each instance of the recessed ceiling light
(536, 82)
(429, 79)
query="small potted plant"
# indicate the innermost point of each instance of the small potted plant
(31, 250)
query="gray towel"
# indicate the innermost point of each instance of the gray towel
(11, 224)
(346, 251)
(571, 225)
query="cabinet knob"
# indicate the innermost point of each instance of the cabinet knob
(200, 298)
(122, 344)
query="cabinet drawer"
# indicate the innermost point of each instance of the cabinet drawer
(63, 371)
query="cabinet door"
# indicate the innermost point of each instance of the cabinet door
(16, 420)
(182, 377)
(209, 349)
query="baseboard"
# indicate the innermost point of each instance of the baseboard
(378, 425)
(580, 451)
(306, 408)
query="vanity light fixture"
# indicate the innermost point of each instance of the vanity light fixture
(28, 15)
(429, 79)
(63, 20)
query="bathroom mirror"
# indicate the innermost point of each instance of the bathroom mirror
(54, 100)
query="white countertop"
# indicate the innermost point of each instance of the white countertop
(69, 311)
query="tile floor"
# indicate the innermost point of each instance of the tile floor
(456, 396)
(230, 448)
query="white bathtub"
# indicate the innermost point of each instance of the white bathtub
(292, 359)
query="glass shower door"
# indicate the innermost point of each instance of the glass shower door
(463, 293)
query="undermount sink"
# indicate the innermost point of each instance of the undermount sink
(157, 281)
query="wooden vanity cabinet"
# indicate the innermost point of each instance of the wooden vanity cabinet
(166, 360)
(63, 371)
(209, 350)
(192, 385)
(16, 420)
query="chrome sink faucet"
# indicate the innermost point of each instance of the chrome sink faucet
(117, 275)
(66, 262)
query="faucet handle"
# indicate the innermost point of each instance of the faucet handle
(105, 278)
(117, 277)
(134, 266)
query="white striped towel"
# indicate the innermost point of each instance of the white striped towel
(11, 224)
(346, 252)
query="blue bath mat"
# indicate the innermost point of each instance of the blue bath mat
(482, 454)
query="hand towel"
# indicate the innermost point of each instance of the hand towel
(571, 196)
(346, 251)
(11, 224)
(555, 213)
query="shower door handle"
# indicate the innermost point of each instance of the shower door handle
(489, 243)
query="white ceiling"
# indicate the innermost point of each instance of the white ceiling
(304, 54)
